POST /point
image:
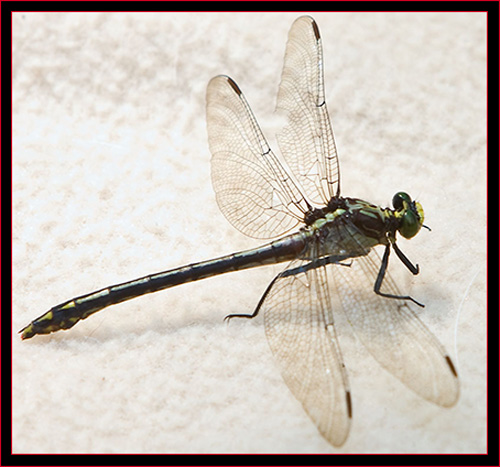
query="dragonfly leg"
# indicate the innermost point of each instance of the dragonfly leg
(290, 272)
(257, 308)
(414, 269)
(381, 275)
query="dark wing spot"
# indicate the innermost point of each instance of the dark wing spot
(452, 367)
(349, 403)
(316, 30)
(234, 86)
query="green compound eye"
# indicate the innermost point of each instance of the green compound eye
(398, 198)
(410, 213)
(410, 224)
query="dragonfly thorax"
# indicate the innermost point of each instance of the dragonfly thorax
(375, 224)
(407, 217)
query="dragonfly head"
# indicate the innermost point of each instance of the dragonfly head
(410, 214)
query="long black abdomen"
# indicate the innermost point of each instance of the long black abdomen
(67, 314)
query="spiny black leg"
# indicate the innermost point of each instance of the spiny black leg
(336, 259)
(381, 275)
(405, 260)
(257, 309)
(383, 268)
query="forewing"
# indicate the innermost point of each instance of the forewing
(253, 190)
(307, 142)
(300, 330)
(394, 334)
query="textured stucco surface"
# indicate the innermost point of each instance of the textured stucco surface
(111, 181)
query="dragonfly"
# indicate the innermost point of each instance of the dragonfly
(332, 265)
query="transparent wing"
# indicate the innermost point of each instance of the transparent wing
(301, 333)
(307, 142)
(393, 333)
(253, 190)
